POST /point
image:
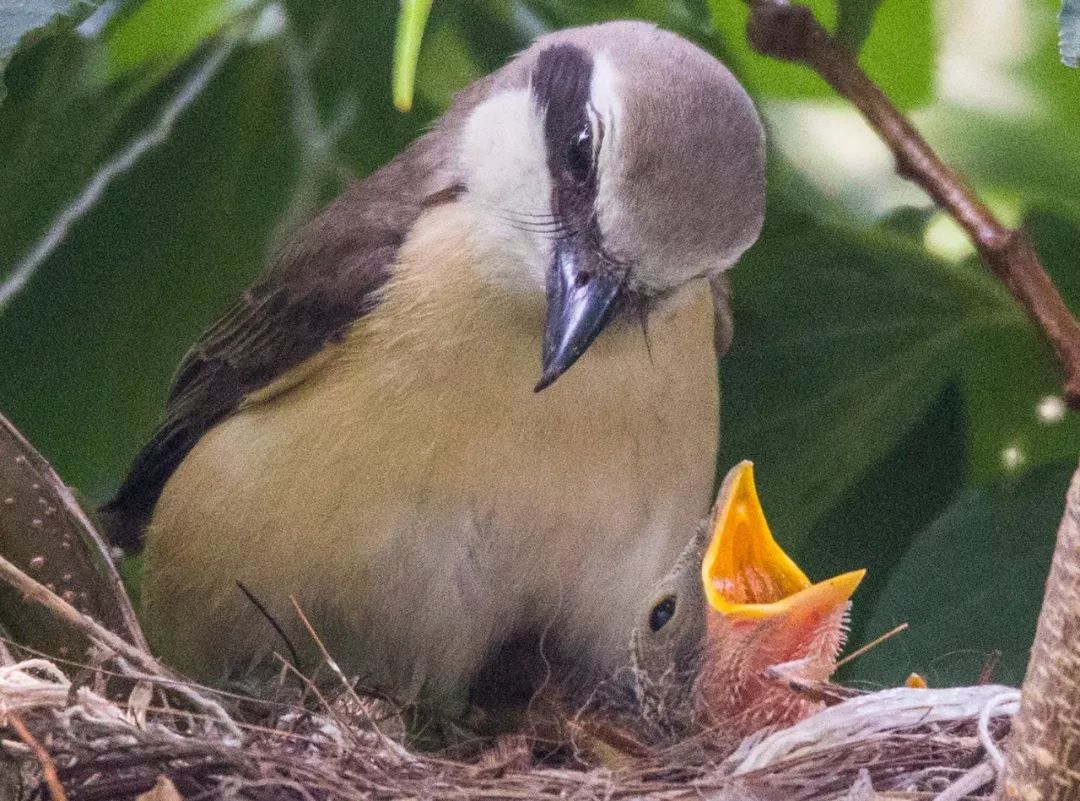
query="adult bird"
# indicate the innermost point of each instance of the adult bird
(376, 427)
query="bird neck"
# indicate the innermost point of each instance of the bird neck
(735, 692)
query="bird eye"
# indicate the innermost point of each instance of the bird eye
(662, 613)
(579, 157)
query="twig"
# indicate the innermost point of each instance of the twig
(874, 643)
(96, 633)
(261, 608)
(48, 767)
(979, 776)
(327, 707)
(121, 163)
(986, 675)
(391, 745)
(6, 657)
(790, 32)
(331, 663)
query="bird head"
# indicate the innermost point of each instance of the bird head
(612, 164)
(734, 605)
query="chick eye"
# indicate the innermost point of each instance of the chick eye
(579, 157)
(662, 613)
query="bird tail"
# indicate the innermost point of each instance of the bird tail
(123, 522)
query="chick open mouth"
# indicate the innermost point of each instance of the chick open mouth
(746, 574)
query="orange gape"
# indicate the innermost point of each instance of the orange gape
(762, 611)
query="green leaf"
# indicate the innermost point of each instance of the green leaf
(972, 583)
(873, 524)
(91, 344)
(898, 53)
(410, 31)
(843, 341)
(187, 205)
(1011, 379)
(161, 34)
(872, 382)
(26, 21)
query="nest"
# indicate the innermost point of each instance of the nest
(119, 733)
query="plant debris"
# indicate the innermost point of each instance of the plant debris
(112, 746)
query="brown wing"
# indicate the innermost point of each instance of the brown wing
(316, 289)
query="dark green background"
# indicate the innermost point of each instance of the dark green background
(878, 382)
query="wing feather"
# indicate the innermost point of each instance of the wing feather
(328, 277)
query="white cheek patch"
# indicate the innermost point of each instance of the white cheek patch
(606, 109)
(504, 162)
(604, 94)
(502, 154)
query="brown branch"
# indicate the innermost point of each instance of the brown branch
(48, 767)
(790, 32)
(1043, 761)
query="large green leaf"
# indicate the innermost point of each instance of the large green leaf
(91, 343)
(844, 339)
(972, 582)
(873, 524)
(858, 499)
(92, 340)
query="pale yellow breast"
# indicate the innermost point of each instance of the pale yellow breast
(423, 503)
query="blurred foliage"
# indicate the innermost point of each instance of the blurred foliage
(903, 411)
(23, 22)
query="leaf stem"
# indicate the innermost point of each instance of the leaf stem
(410, 30)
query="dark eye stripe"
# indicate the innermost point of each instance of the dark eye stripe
(561, 85)
(580, 154)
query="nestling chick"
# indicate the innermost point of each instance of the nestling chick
(361, 430)
(734, 605)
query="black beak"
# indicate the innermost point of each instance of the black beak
(580, 302)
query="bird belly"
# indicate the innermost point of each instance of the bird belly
(422, 504)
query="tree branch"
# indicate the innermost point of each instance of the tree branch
(790, 32)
